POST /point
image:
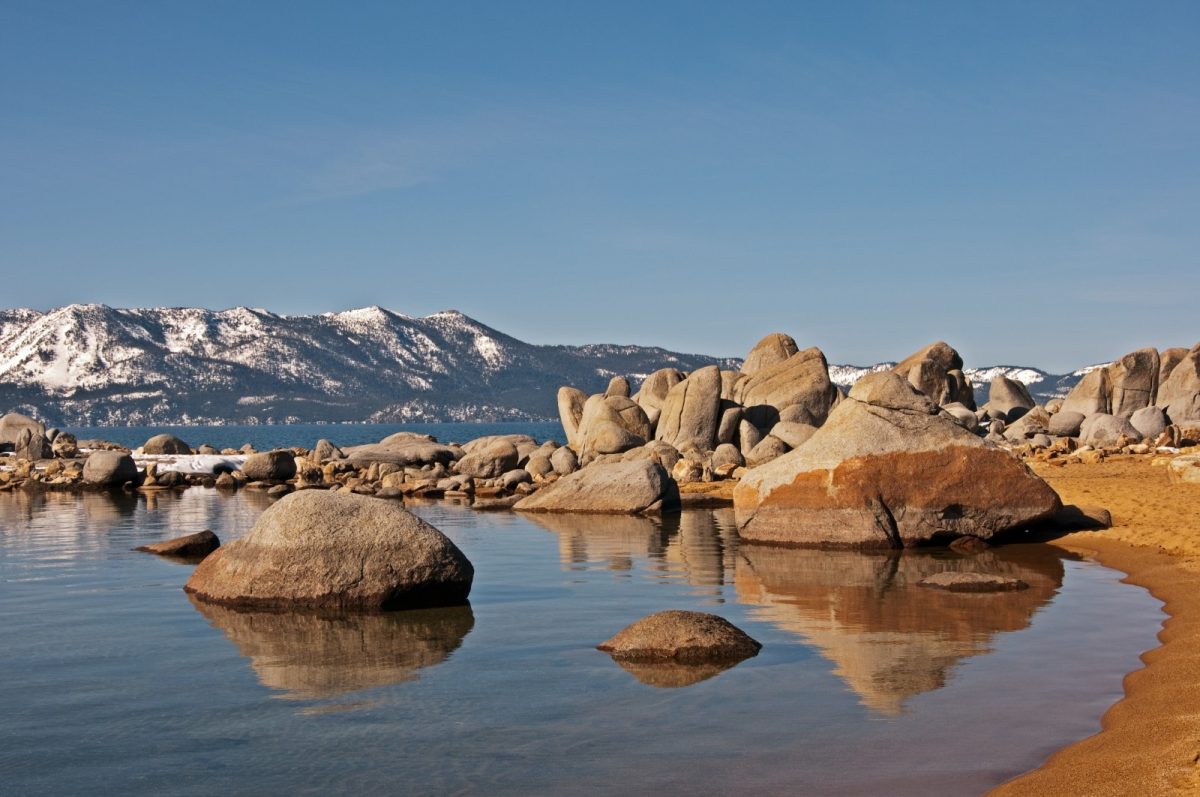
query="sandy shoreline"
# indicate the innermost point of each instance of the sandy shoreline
(1150, 742)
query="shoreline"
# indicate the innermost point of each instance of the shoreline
(1148, 743)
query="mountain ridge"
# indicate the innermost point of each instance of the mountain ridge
(94, 365)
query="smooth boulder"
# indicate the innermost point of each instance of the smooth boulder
(270, 466)
(109, 469)
(1005, 395)
(1179, 393)
(691, 411)
(768, 352)
(166, 444)
(635, 486)
(322, 550)
(189, 546)
(683, 637)
(887, 471)
(936, 371)
(800, 380)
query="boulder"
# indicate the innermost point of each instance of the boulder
(513, 478)
(617, 386)
(1102, 429)
(769, 448)
(539, 465)
(190, 546)
(654, 389)
(1133, 382)
(772, 350)
(166, 444)
(749, 436)
(727, 426)
(611, 425)
(1150, 422)
(887, 471)
(1006, 394)
(727, 456)
(270, 466)
(564, 461)
(972, 582)
(570, 411)
(1184, 469)
(1167, 360)
(65, 446)
(109, 469)
(12, 424)
(802, 379)
(691, 411)
(405, 451)
(792, 434)
(936, 371)
(627, 487)
(1065, 423)
(961, 415)
(323, 550)
(1179, 395)
(1090, 395)
(489, 460)
(729, 384)
(1034, 422)
(32, 445)
(684, 637)
(325, 451)
(655, 451)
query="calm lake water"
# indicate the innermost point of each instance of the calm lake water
(112, 680)
(266, 437)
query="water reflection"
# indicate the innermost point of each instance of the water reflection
(889, 638)
(309, 656)
(696, 547)
(672, 675)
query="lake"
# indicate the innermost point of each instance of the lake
(111, 679)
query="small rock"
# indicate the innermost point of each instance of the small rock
(972, 582)
(685, 637)
(190, 546)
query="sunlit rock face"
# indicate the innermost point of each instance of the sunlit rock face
(313, 656)
(888, 638)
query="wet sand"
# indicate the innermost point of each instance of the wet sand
(1150, 742)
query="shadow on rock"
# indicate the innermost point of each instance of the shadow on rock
(312, 656)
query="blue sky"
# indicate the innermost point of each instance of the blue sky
(1020, 179)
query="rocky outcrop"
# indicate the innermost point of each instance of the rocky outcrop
(12, 424)
(691, 411)
(629, 487)
(887, 471)
(1133, 382)
(611, 425)
(1005, 395)
(680, 636)
(654, 389)
(570, 412)
(1179, 394)
(166, 444)
(490, 460)
(189, 546)
(316, 549)
(772, 350)
(325, 450)
(972, 582)
(936, 371)
(801, 380)
(1090, 395)
(270, 466)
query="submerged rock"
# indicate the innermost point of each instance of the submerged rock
(683, 637)
(972, 582)
(317, 549)
(190, 546)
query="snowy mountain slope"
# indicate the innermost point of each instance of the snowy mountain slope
(93, 364)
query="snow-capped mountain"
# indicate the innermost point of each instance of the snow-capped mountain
(96, 365)
(85, 365)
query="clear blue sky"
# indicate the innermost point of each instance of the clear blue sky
(1021, 179)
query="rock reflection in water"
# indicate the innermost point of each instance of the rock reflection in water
(672, 675)
(889, 638)
(310, 656)
(697, 546)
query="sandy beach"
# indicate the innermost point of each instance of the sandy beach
(1149, 743)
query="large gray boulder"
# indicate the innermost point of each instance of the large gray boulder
(1090, 395)
(611, 425)
(325, 450)
(691, 411)
(1150, 422)
(166, 444)
(270, 466)
(490, 460)
(654, 389)
(772, 350)
(1179, 394)
(936, 371)
(1065, 423)
(1168, 359)
(32, 445)
(1133, 382)
(886, 470)
(109, 469)
(802, 379)
(629, 487)
(12, 424)
(564, 461)
(1102, 429)
(1035, 422)
(321, 550)
(1005, 395)
(405, 451)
